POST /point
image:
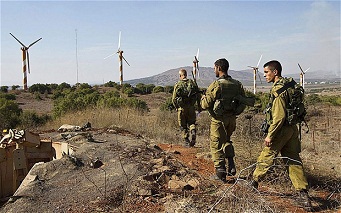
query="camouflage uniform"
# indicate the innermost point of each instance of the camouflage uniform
(223, 126)
(185, 105)
(285, 140)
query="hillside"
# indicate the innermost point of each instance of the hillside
(206, 76)
(144, 167)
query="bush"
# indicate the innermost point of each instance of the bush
(110, 84)
(169, 89)
(30, 119)
(7, 96)
(41, 88)
(158, 89)
(9, 114)
(4, 89)
(15, 87)
(129, 91)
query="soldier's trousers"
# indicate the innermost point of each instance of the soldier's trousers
(288, 144)
(186, 120)
(220, 144)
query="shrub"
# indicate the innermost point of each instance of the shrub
(41, 88)
(30, 119)
(169, 89)
(110, 84)
(7, 96)
(15, 87)
(9, 114)
(4, 89)
(158, 89)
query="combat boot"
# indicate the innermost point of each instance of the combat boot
(231, 167)
(221, 173)
(304, 200)
(187, 142)
(193, 137)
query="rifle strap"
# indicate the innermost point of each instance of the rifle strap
(285, 87)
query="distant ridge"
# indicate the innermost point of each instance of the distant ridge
(207, 76)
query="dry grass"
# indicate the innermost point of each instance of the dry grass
(320, 155)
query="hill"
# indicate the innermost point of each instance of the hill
(206, 76)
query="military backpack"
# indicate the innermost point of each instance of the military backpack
(187, 92)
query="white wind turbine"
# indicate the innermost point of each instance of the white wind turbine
(120, 57)
(255, 71)
(302, 75)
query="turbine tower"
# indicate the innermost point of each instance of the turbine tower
(25, 59)
(302, 75)
(255, 71)
(196, 66)
(120, 57)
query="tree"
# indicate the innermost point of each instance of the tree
(9, 114)
(4, 89)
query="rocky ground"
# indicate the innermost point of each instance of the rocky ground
(114, 170)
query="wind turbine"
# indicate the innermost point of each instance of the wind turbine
(302, 75)
(120, 57)
(196, 66)
(25, 55)
(255, 71)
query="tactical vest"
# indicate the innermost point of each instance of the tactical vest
(187, 92)
(225, 102)
(295, 109)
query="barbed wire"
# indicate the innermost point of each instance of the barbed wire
(239, 179)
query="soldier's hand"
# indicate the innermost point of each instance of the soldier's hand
(267, 142)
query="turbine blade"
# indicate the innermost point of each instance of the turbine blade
(198, 54)
(109, 56)
(259, 60)
(259, 77)
(307, 70)
(28, 62)
(125, 60)
(34, 42)
(300, 67)
(18, 40)
(119, 40)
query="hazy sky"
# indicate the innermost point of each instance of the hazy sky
(162, 35)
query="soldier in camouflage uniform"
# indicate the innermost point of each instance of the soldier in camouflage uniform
(281, 137)
(185, 95)
(223, 117)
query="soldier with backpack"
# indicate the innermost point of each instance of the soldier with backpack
(221, 102)
(185, 94)
(282, 132)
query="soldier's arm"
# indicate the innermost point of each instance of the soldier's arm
(278, 116)
(174, 95)
(208, 99)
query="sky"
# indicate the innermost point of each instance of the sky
(157, 36)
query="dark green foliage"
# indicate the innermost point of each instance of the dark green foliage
(41, 88)
(110, 84)
(63, 86)
(333, 99)
(158, 89)
(15, 87)
(7, 96)
(129, 91)
(69, 101)
(31, 119)
(9, 114)
(143, 89)
(82, 86)
(4, 89)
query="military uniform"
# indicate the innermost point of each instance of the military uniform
(284, 138)
(222, 126)
(185, 105)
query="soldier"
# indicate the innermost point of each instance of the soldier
(281, 137)
(218, 101)
(185, 95)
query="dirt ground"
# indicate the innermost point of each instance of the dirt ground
(120, 171)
